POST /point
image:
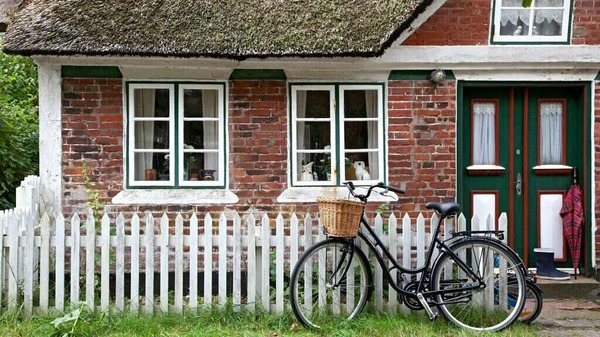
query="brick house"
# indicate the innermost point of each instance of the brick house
(264, 105)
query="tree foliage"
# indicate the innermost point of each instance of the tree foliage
(18, 124)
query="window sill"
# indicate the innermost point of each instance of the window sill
(485, 170)
(544, 170)
(175, 197)
(310, 194)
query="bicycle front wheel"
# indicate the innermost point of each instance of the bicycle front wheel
(330, 284)
(496, 302)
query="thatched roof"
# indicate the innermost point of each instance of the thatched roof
(7, 7)
(235, 29)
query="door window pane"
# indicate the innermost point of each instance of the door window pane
(551, 135)
(484, 133)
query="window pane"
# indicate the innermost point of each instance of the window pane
(548, 22)
(200, 103)
(551, 142)
(150, 103)
(314, 167)
(313, 135)
(200, 166)
(514, 22)
(151, 166)
(484, 130)
(201, 135)
(549, 3)
(361, 135)
(151, 135)
(362, 166)
(313, 104)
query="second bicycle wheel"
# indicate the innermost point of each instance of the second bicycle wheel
(533, 304)
(329, 285)
(492, 305)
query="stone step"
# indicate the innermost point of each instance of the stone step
(582, 288)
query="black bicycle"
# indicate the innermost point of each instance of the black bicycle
(475, 281)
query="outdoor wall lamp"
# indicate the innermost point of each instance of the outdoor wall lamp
(438, 76)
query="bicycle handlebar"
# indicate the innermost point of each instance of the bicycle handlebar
(364, 197)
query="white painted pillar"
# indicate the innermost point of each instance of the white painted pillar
(50, 132)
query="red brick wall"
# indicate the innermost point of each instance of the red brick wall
(93, 122)
(421, 146)
(92, 131)
(258, 136)
(585, 23)
(467, 22)
(458, 22)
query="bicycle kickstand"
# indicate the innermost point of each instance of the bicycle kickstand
(432, 315)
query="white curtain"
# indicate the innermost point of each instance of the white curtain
(210, 106)
(551, 124)
(373, 133)
(144, 131)
(550, 14)
(484, 137)
(513, 16)
(302, 129)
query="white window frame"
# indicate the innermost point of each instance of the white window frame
(130, 160)
(566, 23)
(333, 134)
(176, 120)
(336, 117)
(380, 139)
(220, 181)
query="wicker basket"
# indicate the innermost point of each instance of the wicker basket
(340, 217)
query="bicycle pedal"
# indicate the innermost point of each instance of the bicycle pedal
(432, 315)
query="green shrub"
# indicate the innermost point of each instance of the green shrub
(18, 124)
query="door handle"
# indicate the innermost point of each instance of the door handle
(519, 184)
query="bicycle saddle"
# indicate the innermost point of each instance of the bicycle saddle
(445, 209)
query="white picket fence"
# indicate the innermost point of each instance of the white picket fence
(244, 253)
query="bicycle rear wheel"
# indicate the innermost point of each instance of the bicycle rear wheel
(533, 304)
(489, 306)
(330, 284)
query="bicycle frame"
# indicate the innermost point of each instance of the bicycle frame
(373, 241)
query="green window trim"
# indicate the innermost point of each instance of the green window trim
(176, 180)
(258, 74)
(90, 72)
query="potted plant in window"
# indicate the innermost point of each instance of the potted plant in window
(324, 167)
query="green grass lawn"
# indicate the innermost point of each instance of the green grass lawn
(227, 323)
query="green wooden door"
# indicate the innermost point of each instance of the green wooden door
(518, 146)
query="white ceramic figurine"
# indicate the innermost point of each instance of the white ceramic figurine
(306, 174)
(360, 171)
